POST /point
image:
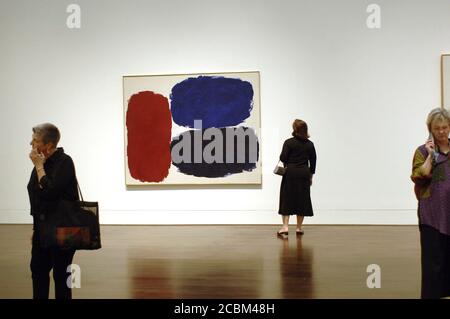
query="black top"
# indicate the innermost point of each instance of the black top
(299, 151)
(58, 183)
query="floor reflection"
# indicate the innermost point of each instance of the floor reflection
(230, 262)
(231, 270)
(296, 271)
(194, 278)
(225, 262)
(151, 279)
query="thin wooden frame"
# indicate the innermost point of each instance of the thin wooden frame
(445, 81)
(127, 92)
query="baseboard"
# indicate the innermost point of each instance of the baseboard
(233, 217)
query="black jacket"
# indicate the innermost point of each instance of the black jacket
(58, 183)
(299, 151)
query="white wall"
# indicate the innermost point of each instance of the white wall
(364, 92)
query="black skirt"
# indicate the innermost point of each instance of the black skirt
(295, 187)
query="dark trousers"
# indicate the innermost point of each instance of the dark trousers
(435, 263)
(44, 260)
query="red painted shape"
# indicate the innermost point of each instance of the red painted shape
(149, 125)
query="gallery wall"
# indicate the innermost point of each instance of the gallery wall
(365, 93)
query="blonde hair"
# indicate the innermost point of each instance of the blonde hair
(437, 114)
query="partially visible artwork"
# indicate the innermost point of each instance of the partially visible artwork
(445, 80)
(189, 129)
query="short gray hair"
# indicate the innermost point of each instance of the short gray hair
(436, 114)
(48, 132)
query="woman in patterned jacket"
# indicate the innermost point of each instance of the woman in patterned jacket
(431, 176)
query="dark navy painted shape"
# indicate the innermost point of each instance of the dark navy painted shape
(214, 170)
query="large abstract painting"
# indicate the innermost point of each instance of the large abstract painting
(190, 129)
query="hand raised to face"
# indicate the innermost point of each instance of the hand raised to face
(38, 159)
(429, 145)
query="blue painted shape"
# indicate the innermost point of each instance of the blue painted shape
(217, 101)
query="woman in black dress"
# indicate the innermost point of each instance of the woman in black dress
(299, 158)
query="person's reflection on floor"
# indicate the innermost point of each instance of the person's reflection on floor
(296, 260)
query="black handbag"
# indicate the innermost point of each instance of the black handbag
(72, 225)
(279, 170)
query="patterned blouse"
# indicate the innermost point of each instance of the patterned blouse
(433, 191)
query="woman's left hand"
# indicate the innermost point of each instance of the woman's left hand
(38, 159)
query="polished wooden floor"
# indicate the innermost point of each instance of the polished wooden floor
(230, 262)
